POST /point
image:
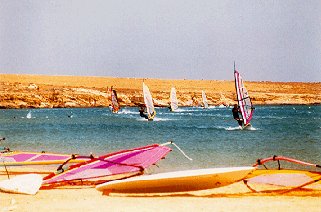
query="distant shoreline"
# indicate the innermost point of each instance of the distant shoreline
(41, 91)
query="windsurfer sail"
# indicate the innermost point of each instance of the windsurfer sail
(204, 99)
(114, 101)
(243, 99)
(117, 165)
(148, 100)
(282, 179)
(173, 98)
(15, 158)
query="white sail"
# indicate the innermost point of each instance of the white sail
(173, 97)
(149, 102)
(205, 104)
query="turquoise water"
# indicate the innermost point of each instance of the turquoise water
(211, 137)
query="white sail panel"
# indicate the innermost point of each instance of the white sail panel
(205, 104)
(243, 98)
(173, 97)
(148, 102)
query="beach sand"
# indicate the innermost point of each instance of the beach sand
(234, 197)
(222, 199)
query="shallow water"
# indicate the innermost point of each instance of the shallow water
(211, 137)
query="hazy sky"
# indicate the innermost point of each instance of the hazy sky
(172, 39)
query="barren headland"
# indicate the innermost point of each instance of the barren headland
(40, 91)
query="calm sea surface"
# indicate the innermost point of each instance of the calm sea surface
(211, 137)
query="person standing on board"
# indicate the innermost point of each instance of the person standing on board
(236, 116)
(142, 112)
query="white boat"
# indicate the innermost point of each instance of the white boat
(173, 98)
(243, 99)
(148, 100)
(204, 100)
(179, 181)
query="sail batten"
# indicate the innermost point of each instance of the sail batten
(243, 99)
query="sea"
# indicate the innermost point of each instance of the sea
(211, 137)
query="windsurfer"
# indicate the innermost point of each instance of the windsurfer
(236, 116)
(142, 112)
(170, 107)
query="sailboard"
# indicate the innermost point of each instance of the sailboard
(17, 158)
(204, 100)
(173, 98)
(148, 100)
(179, 181)
(117, 165)
(288, 178)
(114, 101)
(243, 99)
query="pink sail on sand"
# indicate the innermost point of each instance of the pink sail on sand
(16, 158)
(283, 179)
(118, 165)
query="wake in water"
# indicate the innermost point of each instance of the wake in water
(238, 128)
(163, 119)
(126, 111)
(155, 119)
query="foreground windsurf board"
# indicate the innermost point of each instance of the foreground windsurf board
(179, 181)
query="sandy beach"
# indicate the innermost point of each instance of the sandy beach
(234, 197)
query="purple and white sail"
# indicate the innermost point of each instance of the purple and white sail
(243, 99)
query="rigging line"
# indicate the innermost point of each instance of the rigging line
(181, 150)
(6, 169)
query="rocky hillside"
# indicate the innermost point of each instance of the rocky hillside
(33, 91)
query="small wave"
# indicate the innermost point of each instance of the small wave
(180, 110)
(232, 128)
(162, 119)
(155, 119)
(125, 111)
(250, 128)
(221, 106)
(272, 117)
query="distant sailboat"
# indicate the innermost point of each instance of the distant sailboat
(29, 115)
(243, 99)
(148, 100)
(204, 99)
(114, 101)
(173, 98)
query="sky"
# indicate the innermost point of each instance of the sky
(169, 39)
